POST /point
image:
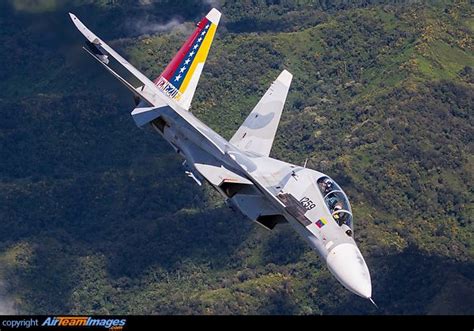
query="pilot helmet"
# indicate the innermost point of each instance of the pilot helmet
(327, 182)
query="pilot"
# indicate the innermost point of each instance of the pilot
(338, 206)
(326, 185)
(339, 217)
(332, 201)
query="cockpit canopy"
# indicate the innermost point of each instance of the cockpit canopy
(336, 201)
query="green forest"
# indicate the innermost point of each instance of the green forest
(98, 217)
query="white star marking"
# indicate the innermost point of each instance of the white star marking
(207, 26)
(203, 33)
(177, 78)
(196, 46)
(187, 61)
(199, 40)
(191, 54)
(182, 69)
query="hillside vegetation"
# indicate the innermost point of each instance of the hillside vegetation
(98, 216)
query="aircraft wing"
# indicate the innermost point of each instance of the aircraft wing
(178, 82)
(258, 131)
(100, 51)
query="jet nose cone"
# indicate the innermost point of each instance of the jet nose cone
(347, 264)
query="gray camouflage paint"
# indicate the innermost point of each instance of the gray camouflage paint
(243, 163)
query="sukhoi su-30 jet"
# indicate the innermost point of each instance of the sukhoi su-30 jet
(266, 190)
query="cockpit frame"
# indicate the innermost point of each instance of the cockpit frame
(336, 201)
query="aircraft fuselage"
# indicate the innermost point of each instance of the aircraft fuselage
(264, 189)
(290, 194)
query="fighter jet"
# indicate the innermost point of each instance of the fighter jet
(266, 190)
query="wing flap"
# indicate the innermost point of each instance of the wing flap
(101, 46)
(136, 91)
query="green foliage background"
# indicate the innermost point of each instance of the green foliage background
(96, 216)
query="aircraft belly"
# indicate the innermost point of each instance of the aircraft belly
(253, 205)
(276, 176)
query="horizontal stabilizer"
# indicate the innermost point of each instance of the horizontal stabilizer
(144, 115)
(258, 131)
(258, 209)
(270, 221)
(218, 175)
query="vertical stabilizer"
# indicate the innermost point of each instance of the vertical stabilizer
(258, 131)
(180, 78)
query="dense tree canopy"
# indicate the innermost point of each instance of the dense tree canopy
(97, 216)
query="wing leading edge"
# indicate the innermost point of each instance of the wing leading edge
(258, 131)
